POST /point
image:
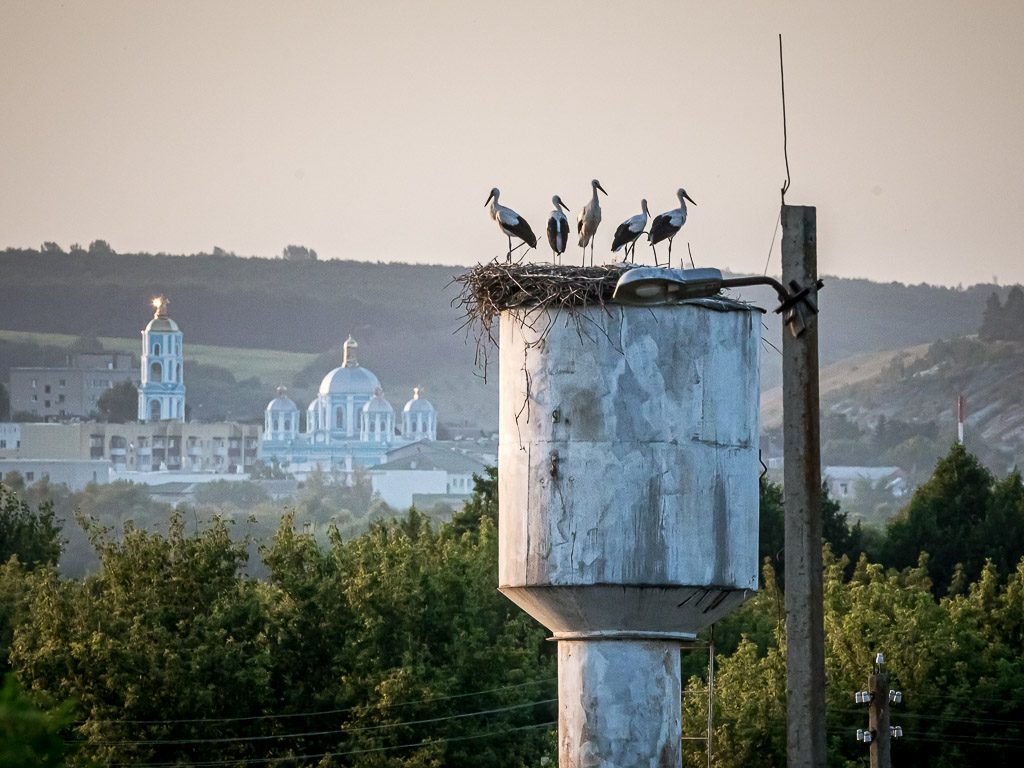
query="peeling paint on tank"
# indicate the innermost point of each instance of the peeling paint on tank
(648, 527)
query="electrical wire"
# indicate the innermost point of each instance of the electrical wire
(772, 246)
(317, 713)
(268, 737)
(945, 718)
(254, 761)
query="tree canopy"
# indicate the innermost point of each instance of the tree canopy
(120, 403)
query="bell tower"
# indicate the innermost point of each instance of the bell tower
(162, 391)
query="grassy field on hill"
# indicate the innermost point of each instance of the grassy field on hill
(268, 365)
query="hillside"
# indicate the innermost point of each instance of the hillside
(836, 377)
(401, 314)
(900, 408)
(268, 365)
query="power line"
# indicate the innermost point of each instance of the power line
(948, 718)
(254, 761)
(319, 712)
(268, 737)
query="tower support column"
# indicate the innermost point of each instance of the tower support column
(619, 704)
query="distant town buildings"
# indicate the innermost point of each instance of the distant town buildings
(425, 474)
(75, 474)
(349, 424)
(145, 447)
(10, 438)
(72, 390)
(846, 483)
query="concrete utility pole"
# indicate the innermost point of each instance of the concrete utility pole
(878, 719)
(805, 622)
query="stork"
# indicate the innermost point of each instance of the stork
(668, 224)
(558, 228)
(588, 221)
(511, 223)
(630, 230)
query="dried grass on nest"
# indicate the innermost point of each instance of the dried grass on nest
(489, 289)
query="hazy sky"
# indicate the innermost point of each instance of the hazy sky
(375, 130)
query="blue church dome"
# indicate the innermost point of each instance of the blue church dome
(378, 404)
(350, 378)
(418, 404)
(282, 403)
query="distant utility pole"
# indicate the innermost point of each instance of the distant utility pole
(805, 615)
(960, 404)
(880, 732)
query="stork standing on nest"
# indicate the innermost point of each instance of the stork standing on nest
(588, 221)
(668, 224)
(629, 232)
(558, 229)
(511, 223)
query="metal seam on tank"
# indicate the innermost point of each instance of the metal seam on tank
(529, 516)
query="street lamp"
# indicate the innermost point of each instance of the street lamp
(647, 286)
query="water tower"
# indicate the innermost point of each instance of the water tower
(628, 493)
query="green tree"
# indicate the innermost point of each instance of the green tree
(120, 403)
(5, 403)
(992, 320)
(28, 539)
(167, 630)
(239, 494)
(100, 248)
(88, 343)
(30, 737)
(32, 536)
(482, 505)
(941, 519)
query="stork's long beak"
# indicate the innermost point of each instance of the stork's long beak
(601, 188)
(688, 198)
(492, 195)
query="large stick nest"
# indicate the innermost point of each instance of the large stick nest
(489, 289)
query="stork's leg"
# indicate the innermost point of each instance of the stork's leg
(655, 255)
(670, 253)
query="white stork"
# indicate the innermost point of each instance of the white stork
(511, 223)
(558, 228)
(588, 221)
(668, 224)
(630, 230)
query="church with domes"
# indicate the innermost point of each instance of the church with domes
(349, 424)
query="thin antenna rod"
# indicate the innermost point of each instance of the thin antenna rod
(785, 138)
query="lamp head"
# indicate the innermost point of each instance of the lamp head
(646, 286)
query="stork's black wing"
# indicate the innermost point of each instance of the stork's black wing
(558, 235)
(623, 235)
(662, 228)
(522, 230)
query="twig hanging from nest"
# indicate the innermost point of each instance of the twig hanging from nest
(489, 289)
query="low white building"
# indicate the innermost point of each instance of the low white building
(10, 438)
(843, 481)
(425, 470)
(74, 473)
